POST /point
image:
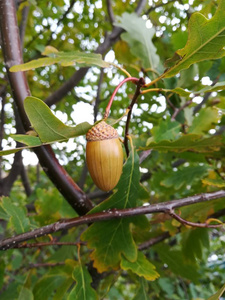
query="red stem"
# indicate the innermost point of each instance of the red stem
(107, 110)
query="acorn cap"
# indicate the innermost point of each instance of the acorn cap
(101, 131)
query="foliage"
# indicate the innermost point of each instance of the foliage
(177, 124)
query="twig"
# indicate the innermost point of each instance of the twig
(193, 224)
(98, 95)
(144, 155)
(205, 98)
(164, 207)
(110, 11)
(44, 265)
(154, 241)
(25, 181)
(61, 20)
(39, 245)
(137, 93)
(178, 110)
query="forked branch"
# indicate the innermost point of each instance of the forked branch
(164, 207)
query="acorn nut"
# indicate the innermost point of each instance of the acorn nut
(104, 156)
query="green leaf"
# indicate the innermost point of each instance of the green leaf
(166, 130)
(48, 127)
(11, 151)
(63, 58)
(167, 285)
(217, 295)
(29, 140)
(82, 289)
(203, 122)
(206, 40)
(139, 38)
(25, 293)
(113, 238)
(51, 281)
(184, 176)
(193, 242)
(109, 241)
(214, 88)
(46, 212)
(192, 142)
(179, 91)
(141, 267)
(2, 272)
(17, 215)
(176, 264)
(142, 290)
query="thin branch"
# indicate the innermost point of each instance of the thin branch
(98, 96)
(193, 224)
(205, 98)
(40, 245)
(8, 181)
(154, 241)
(178, 110)
(61, 20)
(25, 181)
(137, 93)
(164, 207)
(144, 155)
(44, 265)
(110, 11)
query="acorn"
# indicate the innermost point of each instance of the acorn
(104, 156)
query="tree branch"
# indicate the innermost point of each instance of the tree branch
(19, 85)
(164, 207)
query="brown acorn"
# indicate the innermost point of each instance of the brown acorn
(104, 156)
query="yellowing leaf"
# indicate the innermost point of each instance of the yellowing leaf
(217, 295)
(214, 182)
(141, 267)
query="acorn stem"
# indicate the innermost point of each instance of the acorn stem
(107, 110)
